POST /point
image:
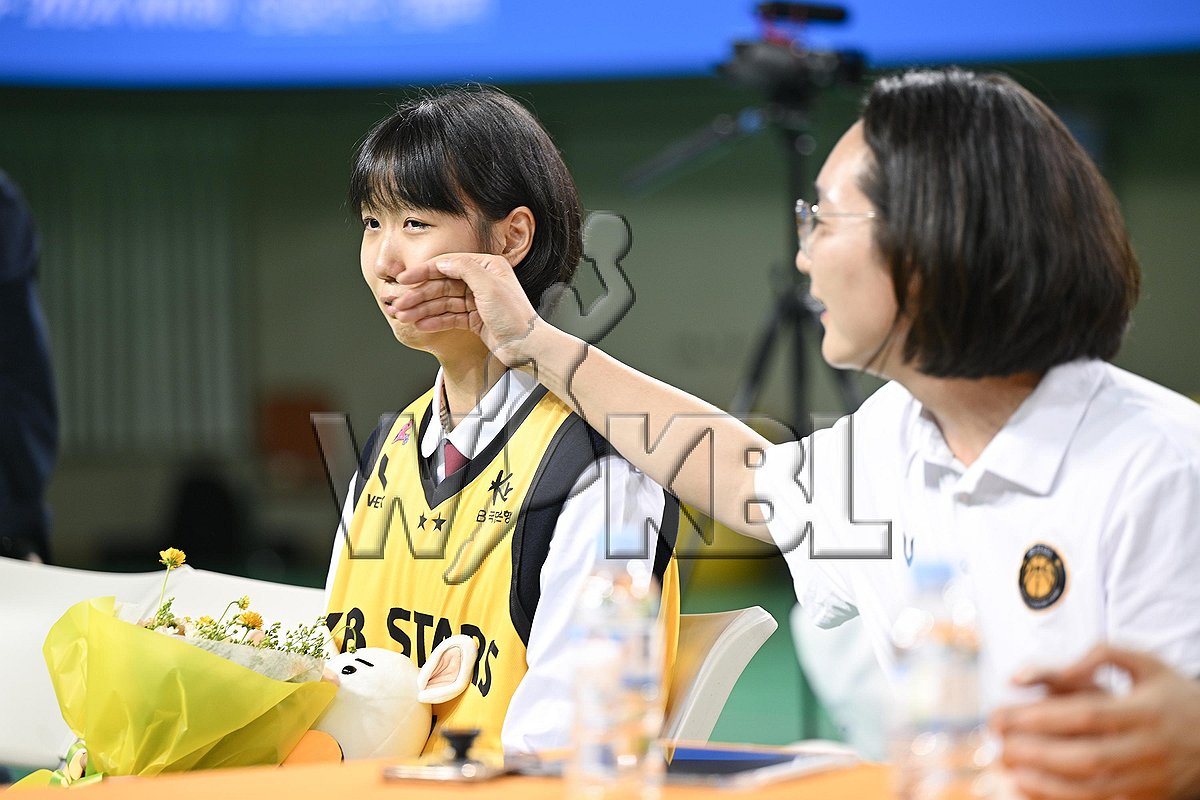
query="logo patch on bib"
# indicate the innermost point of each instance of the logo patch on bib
(1043, 577)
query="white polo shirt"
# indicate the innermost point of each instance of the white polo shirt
(1079, 523)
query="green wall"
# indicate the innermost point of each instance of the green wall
(705, 244)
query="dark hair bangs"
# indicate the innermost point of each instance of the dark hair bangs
(462, 150)
(403, 164)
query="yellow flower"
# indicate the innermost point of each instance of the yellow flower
(171, 558)
(205, 620)
(250, 619)
(244, 602)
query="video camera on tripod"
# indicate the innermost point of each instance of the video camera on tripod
(780, 67)
(790, 76)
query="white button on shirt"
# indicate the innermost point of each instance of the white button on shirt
(1097, 464)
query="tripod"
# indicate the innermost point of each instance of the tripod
(794, 315)
(790, 76)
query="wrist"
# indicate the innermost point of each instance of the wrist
(543, 341)
(551, 354)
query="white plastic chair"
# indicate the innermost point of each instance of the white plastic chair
(713, 650)
(34, 596)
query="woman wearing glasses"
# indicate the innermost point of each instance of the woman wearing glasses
(964, 247)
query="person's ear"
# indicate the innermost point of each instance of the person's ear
(515, 233)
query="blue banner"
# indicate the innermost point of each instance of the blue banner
(212, 43)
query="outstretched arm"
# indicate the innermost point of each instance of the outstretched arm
(703, 455)
(1082, 742)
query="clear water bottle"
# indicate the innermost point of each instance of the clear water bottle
(939, 746)
(618, 685)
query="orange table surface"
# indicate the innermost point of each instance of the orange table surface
(362, 780)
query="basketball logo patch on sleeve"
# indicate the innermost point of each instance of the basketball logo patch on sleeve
(1043, 577)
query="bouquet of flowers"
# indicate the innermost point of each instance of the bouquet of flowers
(211, 693)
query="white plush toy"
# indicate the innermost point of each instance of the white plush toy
(382, 704)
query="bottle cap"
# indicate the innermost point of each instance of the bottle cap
(932, 574)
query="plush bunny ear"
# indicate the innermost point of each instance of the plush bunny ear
(447, 672)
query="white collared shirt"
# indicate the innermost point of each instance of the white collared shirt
(540, 712)
(480, 425)
(1099, 467)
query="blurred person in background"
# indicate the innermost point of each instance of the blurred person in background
(28, 411)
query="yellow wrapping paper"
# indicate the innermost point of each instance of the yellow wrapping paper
(146, 703)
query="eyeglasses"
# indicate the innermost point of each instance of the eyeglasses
(807, 215)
